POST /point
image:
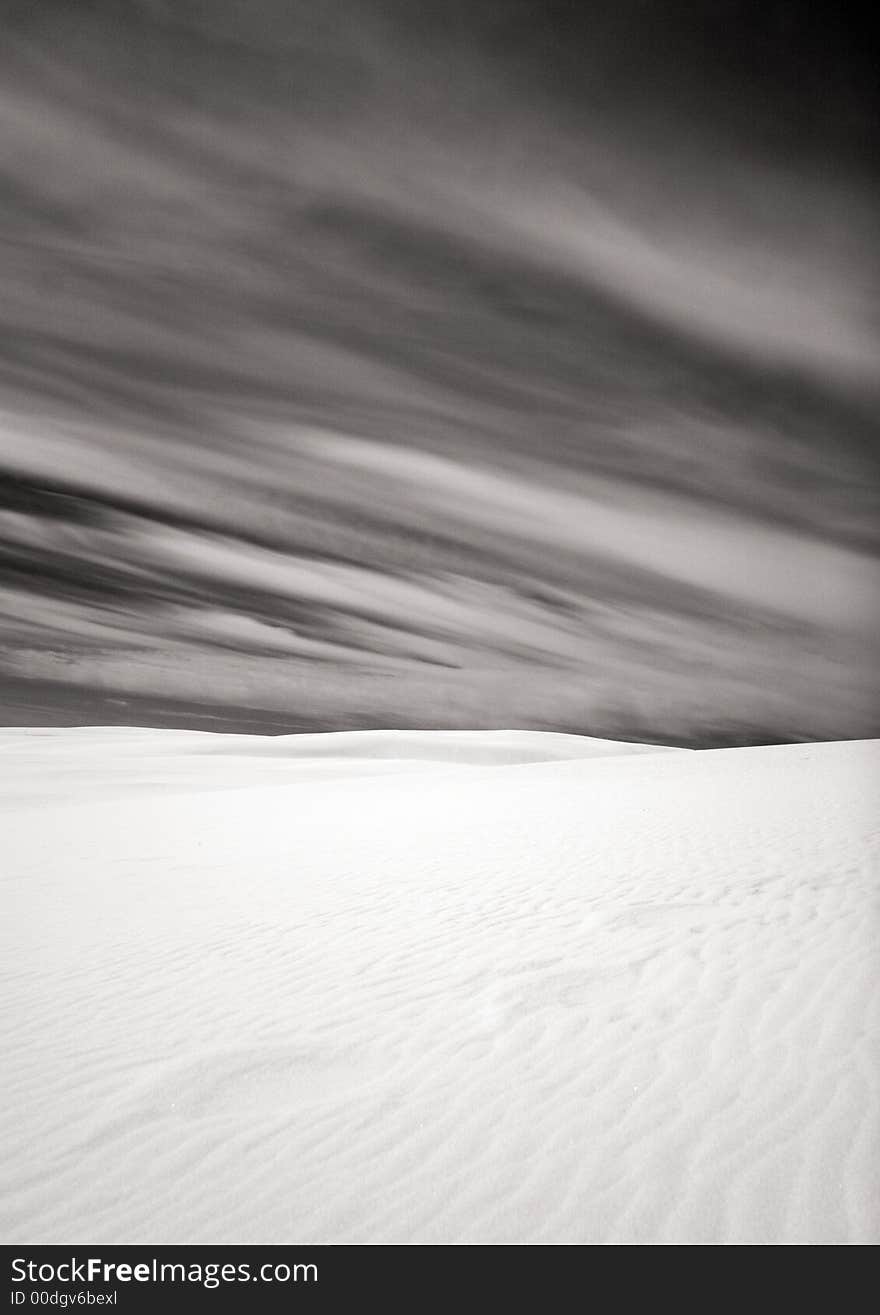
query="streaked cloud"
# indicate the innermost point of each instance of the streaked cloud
(353, 376)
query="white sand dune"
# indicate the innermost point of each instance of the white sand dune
(44, 762)
(438, 987)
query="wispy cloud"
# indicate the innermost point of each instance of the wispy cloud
(474, 378)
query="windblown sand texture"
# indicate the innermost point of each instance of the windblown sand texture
(438, 987)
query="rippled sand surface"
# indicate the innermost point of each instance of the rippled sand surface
(438, 987)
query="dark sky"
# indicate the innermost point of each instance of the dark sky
(420, 364)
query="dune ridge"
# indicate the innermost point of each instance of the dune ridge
(121, 758)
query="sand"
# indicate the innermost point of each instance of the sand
(437, 987)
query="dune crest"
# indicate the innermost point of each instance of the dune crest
(90, 759)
